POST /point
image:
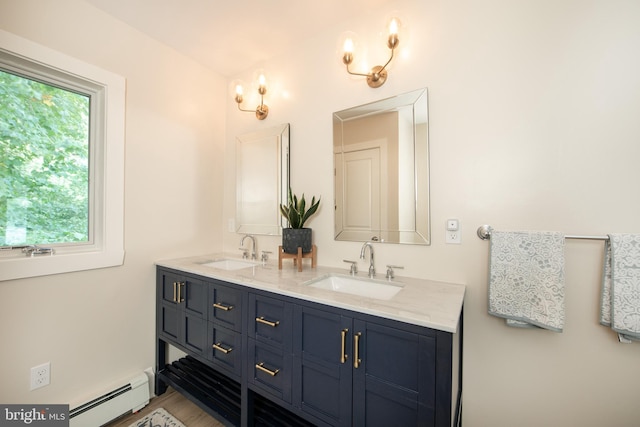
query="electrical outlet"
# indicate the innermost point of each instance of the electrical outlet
(453, 237)
(40, 375)
(452, 232)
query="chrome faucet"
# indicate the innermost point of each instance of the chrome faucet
(372, 268)
(254, 247)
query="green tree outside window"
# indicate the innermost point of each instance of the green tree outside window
(44, 163)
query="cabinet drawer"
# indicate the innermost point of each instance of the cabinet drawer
(270, 370)
(271, 321)
(225, 306)
(225, 348)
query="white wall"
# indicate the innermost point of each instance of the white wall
(96, 327)
(534, 110)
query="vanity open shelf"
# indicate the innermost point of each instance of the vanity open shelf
(257, 357)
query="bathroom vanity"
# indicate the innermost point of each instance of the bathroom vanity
(275, 347)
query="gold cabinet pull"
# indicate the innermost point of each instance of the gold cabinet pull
(218, 346)
(268, 371)
(175, 293)
(343, 354)
(180, 285)
(222, 306)
(356, 350)
(267, 322)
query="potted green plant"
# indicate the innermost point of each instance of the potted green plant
(297, 213)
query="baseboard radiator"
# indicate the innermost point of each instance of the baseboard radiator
(132, 396)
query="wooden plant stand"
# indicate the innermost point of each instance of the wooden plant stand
(297, 258)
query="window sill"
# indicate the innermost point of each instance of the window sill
(42, 265)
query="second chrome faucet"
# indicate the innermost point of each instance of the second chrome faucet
(372, 267)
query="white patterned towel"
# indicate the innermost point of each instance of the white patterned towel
(526, 278)
(620, 300)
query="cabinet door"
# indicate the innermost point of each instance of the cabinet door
(394, 381)
(168, 319)
(193, 296)
(182, 311)
(322, 364)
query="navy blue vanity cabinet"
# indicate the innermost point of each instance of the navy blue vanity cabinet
(182, 311)
(269, 361)
(362, 370)
(259, 358)
(224, 347)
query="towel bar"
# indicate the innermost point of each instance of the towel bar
(484, 233)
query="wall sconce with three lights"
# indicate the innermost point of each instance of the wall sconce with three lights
(262, 110)
(378, 75)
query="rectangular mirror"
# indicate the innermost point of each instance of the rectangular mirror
(262, 180)
(381, 165)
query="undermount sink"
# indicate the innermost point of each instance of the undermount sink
(229, 264)
(365, 287)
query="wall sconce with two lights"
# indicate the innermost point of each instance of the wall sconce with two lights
(262, 110)
(378, 75)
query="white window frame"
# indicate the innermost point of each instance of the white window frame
(106, 217)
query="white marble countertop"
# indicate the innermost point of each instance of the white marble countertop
(421, 302)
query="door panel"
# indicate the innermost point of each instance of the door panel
(323, 365)
(362, 190)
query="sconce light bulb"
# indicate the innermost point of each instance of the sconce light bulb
(348, 46)
(239, 90)
(262, 84)
(393, 27)
(393, 40)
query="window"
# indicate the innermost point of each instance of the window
(61, 162)
(44, 141)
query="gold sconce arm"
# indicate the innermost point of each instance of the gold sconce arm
(262, 110)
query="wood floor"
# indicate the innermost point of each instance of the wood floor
(177, 405)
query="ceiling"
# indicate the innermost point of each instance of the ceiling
(232, 36)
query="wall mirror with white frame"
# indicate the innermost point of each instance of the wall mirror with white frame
(262, 180)
(381, 170)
